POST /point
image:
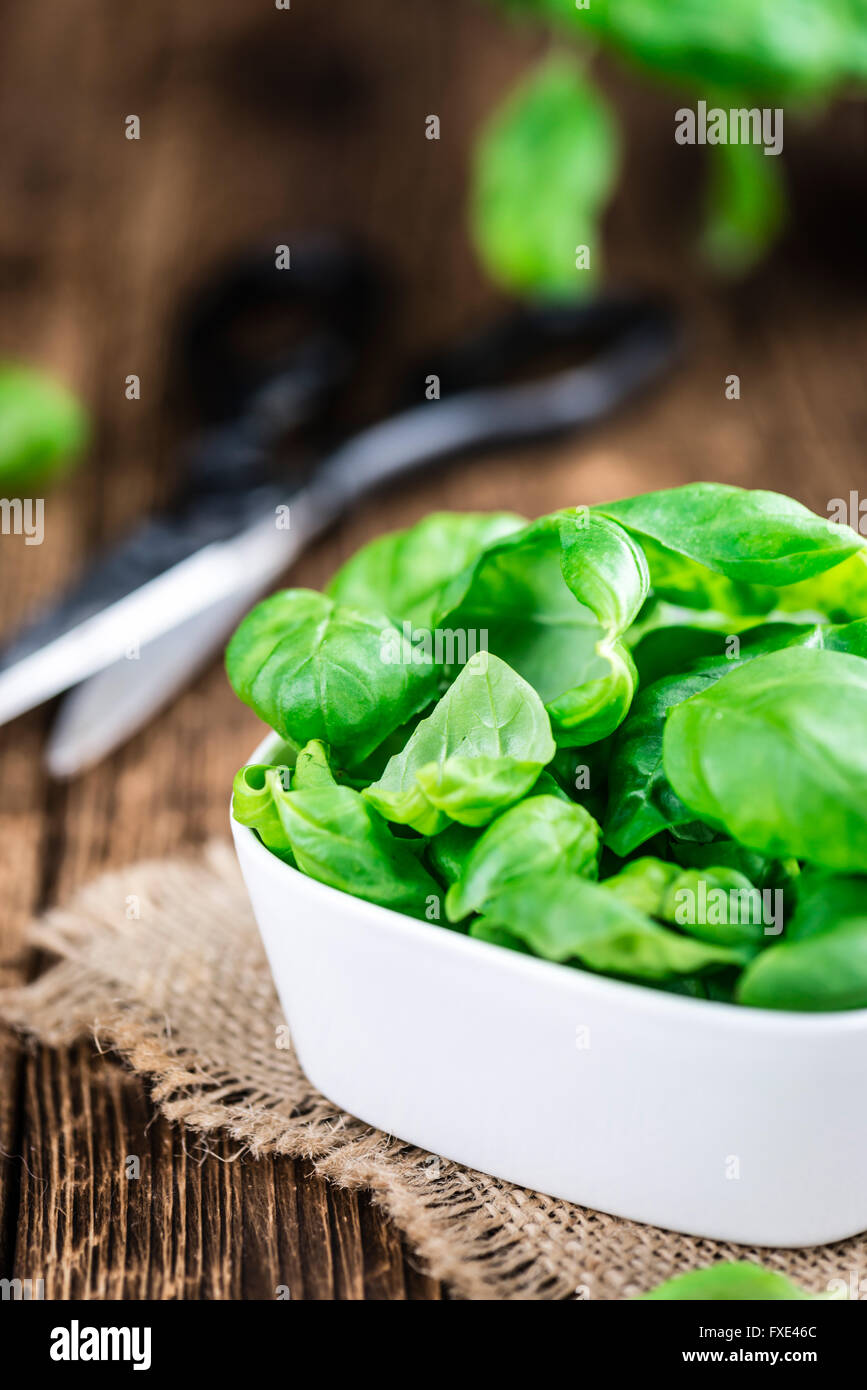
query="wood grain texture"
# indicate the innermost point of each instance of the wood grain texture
(256, 125)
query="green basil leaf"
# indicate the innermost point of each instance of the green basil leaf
(839, 593)
(253, 805)
(774, 754)
(312, 769)
(554, 599)
(822, 962)
(752, 537)
(845, 637)
(543, 171)
(593, 709)
(562, 917)
(728, 854)
(538, 834)
(449, 851)
(721, 905)
(315, 670)
(665, 651)
(716, 904)
(472, 788)
(546, 785)
(819, 974)
(680, 583)
(823, 900)
(339, 840)
(643, 883)
(642, 801)
(369, 769)
(405, 573)
(482, 748)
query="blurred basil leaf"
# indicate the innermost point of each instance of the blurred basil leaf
(745, 209)
(731, 1281)
(798, 51)
(42, 427)
(544, 170)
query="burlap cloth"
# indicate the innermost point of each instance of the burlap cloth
(162, 962)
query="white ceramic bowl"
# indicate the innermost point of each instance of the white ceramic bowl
(741, 1124)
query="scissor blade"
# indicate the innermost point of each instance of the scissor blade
(154, 547)
(125, 627)
(106, 710)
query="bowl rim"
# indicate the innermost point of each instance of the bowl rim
(644, 998)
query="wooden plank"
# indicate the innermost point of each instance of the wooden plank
(188, 1226)
(346, 1244)
(383, 1263)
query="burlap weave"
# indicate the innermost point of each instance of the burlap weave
(162, 962)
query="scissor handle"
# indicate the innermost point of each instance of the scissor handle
(613, 347)
(613, 334)
(323, 300)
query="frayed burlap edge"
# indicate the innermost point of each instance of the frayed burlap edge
(162, 963)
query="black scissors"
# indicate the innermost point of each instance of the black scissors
(152, 611)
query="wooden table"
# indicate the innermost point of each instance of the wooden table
(258, 123)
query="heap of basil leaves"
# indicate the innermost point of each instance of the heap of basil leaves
(673, 697)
